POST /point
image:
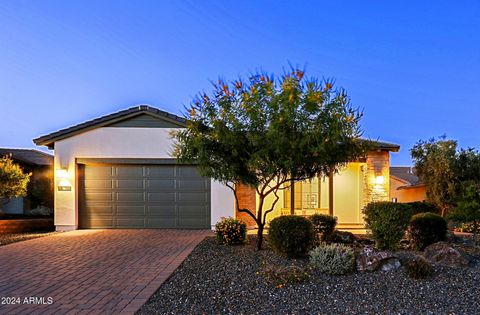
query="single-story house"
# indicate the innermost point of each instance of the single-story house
(117, 171)
(405, 186)
(39, 192)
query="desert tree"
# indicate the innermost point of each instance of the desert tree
(13, 181)
(266, 131)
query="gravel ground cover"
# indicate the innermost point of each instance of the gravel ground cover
(8, 238)
(218, 279)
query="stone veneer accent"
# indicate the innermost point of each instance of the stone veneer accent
(378, 164)
(247, 198)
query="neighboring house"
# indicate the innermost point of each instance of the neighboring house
(117, 171)
(405, 186)
(39, 192)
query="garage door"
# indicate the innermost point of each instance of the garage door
(143, 196)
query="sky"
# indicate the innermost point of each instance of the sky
(412, 66)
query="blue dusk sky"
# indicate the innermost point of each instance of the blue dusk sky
(413, 66)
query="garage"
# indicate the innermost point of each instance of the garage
(118, 196)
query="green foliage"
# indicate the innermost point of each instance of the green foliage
(388, 222)
(468, 207)
(266, 130)
(291, 235)
(426, 229)
(418, 268)
(279, 276)
(13, 181)
(323, 225)
(334, 259)
(40, 192)
(231, 231)
(422, 206)
(435, 163)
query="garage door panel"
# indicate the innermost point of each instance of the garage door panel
(98, 184)
(192, 196)
(161, 171)
(192, 184)
(161, 184)
(130, 184)
(166, 222)
(130, 222)
(130, 197)
(161, 197)
(95, 196)
(162, 210)
(98, 172)
(129, 171)
(143, 196)
(131, 210)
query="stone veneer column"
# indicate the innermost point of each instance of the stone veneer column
(378, 164)
(247, 198)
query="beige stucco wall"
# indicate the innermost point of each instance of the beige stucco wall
(113, 142)
(406, 194)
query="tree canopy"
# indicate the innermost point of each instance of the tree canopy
(265, 131)
(13, 181)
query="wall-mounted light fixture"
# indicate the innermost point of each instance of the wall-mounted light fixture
(63, 180)
(379, 180)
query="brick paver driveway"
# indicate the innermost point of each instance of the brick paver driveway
(90, 271)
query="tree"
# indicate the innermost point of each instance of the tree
(266, 131)
(13, 181)
(435, 162)
(468, 207)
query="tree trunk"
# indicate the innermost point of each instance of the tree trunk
(260, 236)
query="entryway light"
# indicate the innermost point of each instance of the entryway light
(63, 181)
(379, 180)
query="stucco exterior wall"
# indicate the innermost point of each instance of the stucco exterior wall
(406, 194)
(118, 142)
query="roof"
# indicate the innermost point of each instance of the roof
(28, 156)
(110, 119)
(49, 139)
(406, 174)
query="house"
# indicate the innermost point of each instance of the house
(117, 171)
(39, 192)
(405, 186)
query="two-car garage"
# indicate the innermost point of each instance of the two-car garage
(142, 196)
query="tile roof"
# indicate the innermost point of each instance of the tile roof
(28, 156)
(405, 173)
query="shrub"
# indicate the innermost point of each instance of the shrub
(422, 206)
(323, 225)
(388, 222)
(334, 259)
(231, 231)
(343, 237)
(291, 235)
(426, 229)
(279, 276)
(418, 268)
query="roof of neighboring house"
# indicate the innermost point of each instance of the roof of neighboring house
(406, 174)
(28, 156)
(122, 115)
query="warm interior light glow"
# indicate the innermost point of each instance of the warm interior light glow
(379, 180)
(62, 173)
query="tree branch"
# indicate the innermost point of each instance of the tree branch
(238, 204)
(273, 206)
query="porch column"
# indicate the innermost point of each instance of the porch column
(330, 193)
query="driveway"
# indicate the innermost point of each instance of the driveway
(90, 271)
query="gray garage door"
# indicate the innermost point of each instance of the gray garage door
(143, 196)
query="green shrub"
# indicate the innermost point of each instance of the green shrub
(388, 222)
(279, 276)
(426, 229)
(323, 225)
(291, 235)
(334, 259)
(231, 231)
(418, 268)
(422, 206)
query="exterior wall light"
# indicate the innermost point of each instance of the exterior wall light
(379, 180)
(63, 180)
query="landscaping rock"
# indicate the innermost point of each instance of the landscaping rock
(444, 254)
(370, 260)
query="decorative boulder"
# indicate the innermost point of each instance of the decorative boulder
(370, 260)
(443, 254)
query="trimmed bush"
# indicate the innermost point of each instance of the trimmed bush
(418, 268)
(388, 222)
(231, 231)
(422, 206)
(323, 225)
(291, 235)
(333, 259)
(426, 229)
